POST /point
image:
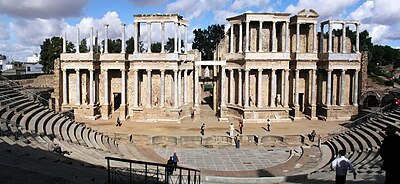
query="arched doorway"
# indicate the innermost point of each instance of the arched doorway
(371, 101)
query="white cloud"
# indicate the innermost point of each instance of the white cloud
(4, 35)
(195, 8)
(42, 8)
(220, 16)
(326, 9)
(247, 4)
(147, 2)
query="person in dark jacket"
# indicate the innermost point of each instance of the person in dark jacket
(390, 156)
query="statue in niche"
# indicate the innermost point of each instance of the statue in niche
(156, 101)
(206, 72)
(278, 100)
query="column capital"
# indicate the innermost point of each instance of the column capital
(106, 25)
(259, 70)
(123, 24)
(122, 69)
(273, 69)
(63, 69)
(148, 70)
(344, 70)
(329, 70)
(175, 70)
(134, 70)
(91, 70)
(104, 70)
(77, 69)
(247, 69)
(230, 69)
(357, 70)
(162, 70)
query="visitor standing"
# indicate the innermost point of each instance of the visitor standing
(388, 152)
(118, 122)
(237, 141)
(202, 132)
(175, 159)
(319, 141)
(341, 164)
(170, 166)
(241, 126)
(312, 136)
(268, 125)
(231, 129)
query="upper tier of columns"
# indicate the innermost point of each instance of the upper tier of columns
(343, 39)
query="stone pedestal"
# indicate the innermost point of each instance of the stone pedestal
(223, 114)
(313, 109)
(122, 112)
(105, 111)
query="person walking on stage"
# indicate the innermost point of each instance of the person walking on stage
(231, 129)
(341, 164)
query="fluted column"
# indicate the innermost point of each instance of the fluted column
(91, 88)
(106, 102)
(342, 88)
(274, 36)
(186, 38)
(96, 42)
(77, 40)
(355, 88)
(286, 87)
(176, 38)
(175, 88)
(65, 89)
(343, 38)
(123, 87)
(231, 39)
(297, 37)
(135, 88)
(330, 38)
(162, 36)
(328, 87)
(247, 36)
(231, 88)
(313, 88)
(273, 87)
(259, 87)
(260, 38)
(179, 41)
(149, 37)
(123, 38)
(196, 85)
(315, 46)
(149, 94)
(106, 38)
(240, 84)
(296, 99)
(357, 38)
(91, 40)
(246, 87)
(223, 86)
(65, 42)
(185, 87)
(78, 87)
(179, 88)
(162, 88)
(240, 37)
(321, 39)
(287, 36)
(136, 37)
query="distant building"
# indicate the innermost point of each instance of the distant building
(32, 64)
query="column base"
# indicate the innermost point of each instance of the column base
(122, 112)
(105, 111)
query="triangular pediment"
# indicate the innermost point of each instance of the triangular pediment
(307, 13)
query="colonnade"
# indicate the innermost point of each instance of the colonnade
(330, 39)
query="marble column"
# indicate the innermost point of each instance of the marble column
(136, 37)
(273, 87)
(149, 94)
(313, 88)
(246, 87)
(286, 87)
(91, 40)
(65, 43)
(344, 38)
(260, 38)
(105, 39)
(274, 36)
(77, 40)
(186, 38)
(65, 89)
(231, 88)
(179, 87)
(185, 87)
(123, 87)
(179, 40)
(328, 87)
(96, 42)
(240, 37)
(162, 88)
(330, 38)
(240, 84)
(357, 38)
(223, 86)
(176, 38)
(259, 87)
(91, 88)
(162, 36)
(342, 87)
(78, 87)
(247, 36)
(135, 88)
(175, 88)
(196, 85)
(321, 39)
(297, 37)
(287, 36)
(123, 38)
(315, 45)
(106, 102)
(231, 39)
(355, 88)
(296, 99)
(148, 37)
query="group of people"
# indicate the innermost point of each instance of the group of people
(172, 163)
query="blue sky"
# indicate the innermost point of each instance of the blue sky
(24, 24)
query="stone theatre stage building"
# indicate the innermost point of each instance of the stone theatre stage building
(268, 66)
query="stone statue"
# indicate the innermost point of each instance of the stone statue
(206, 72)
(278, 100)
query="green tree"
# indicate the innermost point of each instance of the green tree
(206, 40)
(169, 46)
(114, 46)
(156, 47)
(83, 47)
(51, 50)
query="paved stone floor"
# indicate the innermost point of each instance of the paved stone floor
(227, 159)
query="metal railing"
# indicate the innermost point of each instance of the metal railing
(141, 172)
